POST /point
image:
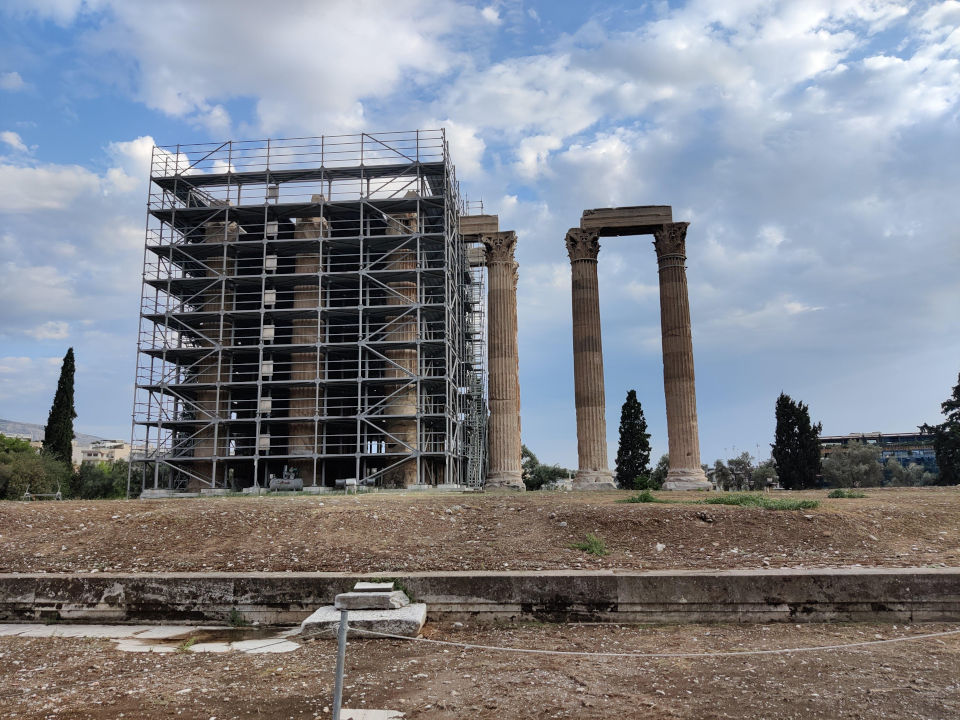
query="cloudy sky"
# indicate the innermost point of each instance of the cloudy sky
(812, 144)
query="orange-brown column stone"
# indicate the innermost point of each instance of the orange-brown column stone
(593, 473)
(503, 438)
(678, 380)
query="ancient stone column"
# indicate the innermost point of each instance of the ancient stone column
(593, 473)
(678, 382)
(304, 399)
(503, 439)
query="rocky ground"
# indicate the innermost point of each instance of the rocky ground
(43, 678)
(406, 532)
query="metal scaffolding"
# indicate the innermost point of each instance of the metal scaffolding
(309, 308)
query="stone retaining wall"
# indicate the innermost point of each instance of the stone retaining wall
(859, 594)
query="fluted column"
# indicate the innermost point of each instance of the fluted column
(503, 443)
(593, 473)
(678, 380)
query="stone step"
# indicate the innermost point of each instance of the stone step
(371, 600)
(373, 587)
(406, 621)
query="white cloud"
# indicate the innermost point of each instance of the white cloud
(11, 81)
(43, 187)
(22, 377)
(13, 140)
(326, 59)
(50, 330)
(491, 15)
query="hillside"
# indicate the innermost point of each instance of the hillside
(35, 431)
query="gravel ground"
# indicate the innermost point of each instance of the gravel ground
(43, 678)
(413, 531)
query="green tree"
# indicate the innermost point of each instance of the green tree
(633, 453)
(741, 467)
(659, 475)
(722, 477)
(102, 480)
(762, 473)
(58, 433)
(39, 473)
(946, 438)
(894, 473)
(796, 446)
(853, 465)
(535, 474)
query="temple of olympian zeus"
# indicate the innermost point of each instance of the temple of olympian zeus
(583, 246)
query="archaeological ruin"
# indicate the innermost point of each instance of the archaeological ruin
(326, 312)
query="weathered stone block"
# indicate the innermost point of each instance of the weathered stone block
(407, 621)
(371, 600)
(373, 587)
(479, 224)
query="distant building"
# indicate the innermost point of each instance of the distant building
(104, 451)
(911, 448)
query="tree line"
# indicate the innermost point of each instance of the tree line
(795, 461)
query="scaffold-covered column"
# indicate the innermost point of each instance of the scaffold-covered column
(679, 387)
(207, 375)
(593, 473)
(305, 365)
(401, 408)
(503, 439)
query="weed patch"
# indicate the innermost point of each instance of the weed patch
(592, 545)
(841, 493)
(644, 496)
(760, 501)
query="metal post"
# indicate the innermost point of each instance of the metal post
(341, 654)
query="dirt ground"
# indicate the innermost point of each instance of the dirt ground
(407, 532)
(43, 678)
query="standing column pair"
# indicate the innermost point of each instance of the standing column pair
(685, 472)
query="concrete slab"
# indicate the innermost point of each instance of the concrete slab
(8, 630)
(373, 587)
(371, 600)
(264, 645)
(210, 647)
(633, 220)
(406, 621)
(346, 714)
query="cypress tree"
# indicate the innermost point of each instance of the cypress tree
(58, 433)
(633, 453)
(796, 445)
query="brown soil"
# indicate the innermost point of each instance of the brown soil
(406, 532)
(72, 678)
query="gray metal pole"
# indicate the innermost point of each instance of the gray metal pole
(341, 654)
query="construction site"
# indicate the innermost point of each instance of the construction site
(310, 315)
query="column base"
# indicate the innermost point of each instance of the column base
(687, 479)
(507, 480)
(594, 480)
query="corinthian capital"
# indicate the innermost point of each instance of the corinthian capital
(671, 240)
(499, 246)
(582, 244)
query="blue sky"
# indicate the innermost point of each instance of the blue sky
(812, 145)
